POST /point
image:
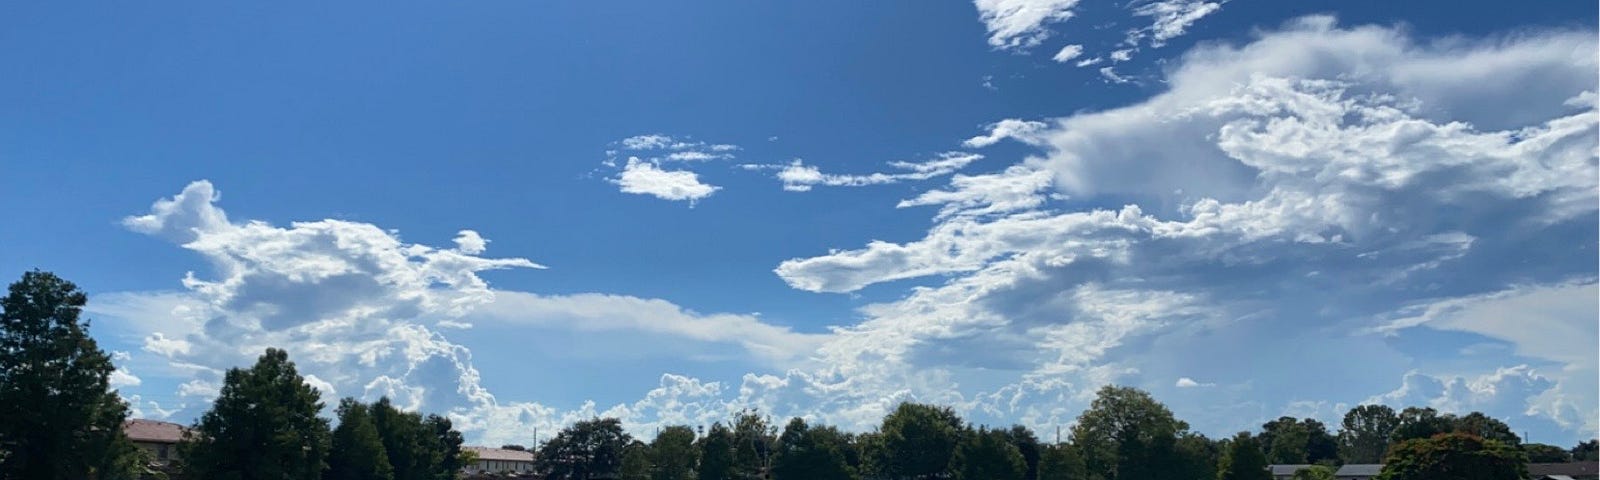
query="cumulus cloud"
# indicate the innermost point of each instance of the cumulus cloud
(1067, 53)
(1186, 382)
(1021, 24)
(121, 377)
(1020, 130)
(647, 178)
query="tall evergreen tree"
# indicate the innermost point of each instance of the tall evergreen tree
(1242, 460)
(444, 447)
(357, 452)
(672, 454)
(988, 455)
(263, 425)
(59, 418)
(1028, 445)
(716, 454)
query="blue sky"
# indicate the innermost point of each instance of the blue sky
(523, 213)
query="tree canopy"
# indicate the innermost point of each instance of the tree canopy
(1242, 460)
(918, 441)
(72, 424)
(1453, 456)
(583, 450)
(1365, 432)
(1126, 435)
(989, 455)
(805, 452)
(672, 454)
(357, 452)
(263, 425)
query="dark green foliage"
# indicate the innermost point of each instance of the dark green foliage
(444, 445)
(1587, 451)
(1290, 441)
(357, 452)
(716, 454)
(1242, 460)
(753, 441)
(918, 441)
(806, 453)
(1127, 435)
(1420, 423)
(263, 425)
(1197, 457)
(583, 450)
(1365, 432)
(1314, 472)
(1061, 462)
(71, 426)
(419, 448)
(673, 454)
(1490, 428)
(636, 461)
(1453, 456)
(989, 455)
(1028, 446)
(1543, 453)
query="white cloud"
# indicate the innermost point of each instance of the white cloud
(646, 178)
(1068, 53)
(799, 177)
(1171, 18)
(1021, 24)
(1111, 75)
(1089, 61)
(1186, 382)
(1121, 55)
(470, 243)
(121, 377)
(1022, 130)
(646, 142)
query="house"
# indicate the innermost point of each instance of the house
(499, 460)
(158, 439)
(1358, 471)
(1284, 472)
(1564, 471)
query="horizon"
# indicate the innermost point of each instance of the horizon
(523, 215)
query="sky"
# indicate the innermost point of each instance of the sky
(522, 214)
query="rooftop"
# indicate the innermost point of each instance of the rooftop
(152, 431)
(500, 454)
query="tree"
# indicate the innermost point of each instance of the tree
(1242, 460)
(1420, 423)
(357, 452)
(1314, 472)
(1453, 456)
(1028, 446)
(1061, 462)
(918, 441)
(71, 425)
(1127, 435)
(1586, 451)
(1543, 453)
(1365, 432)
(636, 461)
(1476, 423)
(988, 455)
(444, 447)
(583, 450)
(673, 453)
(1197, 457)
(716, 454)
(752, 444)
(419, 448)
(805, 452)
(1290, 441)
(263, 425)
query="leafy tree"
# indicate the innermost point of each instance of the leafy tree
(263, 425)
(59, 417)
(753, 439)
(1365, 432)
(1476, 423)
(1242, 460)
(1543, 453)
(918, 441)
(444, 447)
(1061, 462)
(989, 455)
(1028, 446)
(1587, 451)
(716, 454)
(805, 452)
(357, 452)
(673, 454)
(1197, 457)
(419, 448)
(636, 461)
(1290, 441)
(1127, 435)
(1453, 456)
(1314, 472)
(865, 450)
(583, 450)
(1420, 423)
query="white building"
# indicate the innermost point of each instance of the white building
(499, 460)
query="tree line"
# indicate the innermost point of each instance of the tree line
(266, 423)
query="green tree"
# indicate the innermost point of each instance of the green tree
(1314, 472)
(1478, 424)
(1543, 453)
(753, 439)
(1586, 451)
(636, 461)
(805, 452)
(357, 452)
(263, 425)
(1061, 462)
(1029, 446)
(419, 448)
(989, 455)
(1242, 460)
(1420, 423)
(716, 454)
(59, 418)
(673, 453)
(1453, 456)
(583, 450)
(918, 441)
(1197, 457)
(444, 447)
(1127, 435)
(1365, 432)
(1291, 441)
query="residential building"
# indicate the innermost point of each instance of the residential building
(158, 439)
(1564, 471)
(499, 460)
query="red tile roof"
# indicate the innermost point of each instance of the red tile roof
(151, 431)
